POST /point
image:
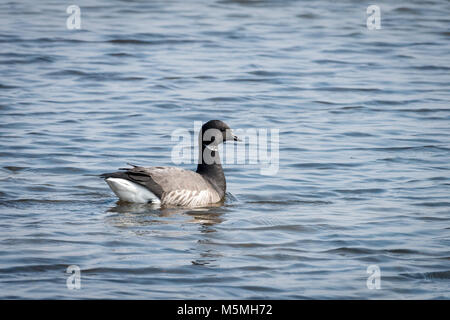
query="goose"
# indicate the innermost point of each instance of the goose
(172, 186)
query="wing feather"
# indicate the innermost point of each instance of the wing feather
(172, 185)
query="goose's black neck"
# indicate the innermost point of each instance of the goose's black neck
(210, 168)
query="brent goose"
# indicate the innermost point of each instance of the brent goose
(176, 186)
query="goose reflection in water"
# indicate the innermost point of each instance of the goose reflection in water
(151, 220)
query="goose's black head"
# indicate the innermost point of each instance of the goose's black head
(214, 132)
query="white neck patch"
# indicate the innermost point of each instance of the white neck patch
(212, 147)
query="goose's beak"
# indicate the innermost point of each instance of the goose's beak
(230, 136)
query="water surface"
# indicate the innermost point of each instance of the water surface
(363, 176)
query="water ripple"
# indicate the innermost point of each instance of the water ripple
(363, 152)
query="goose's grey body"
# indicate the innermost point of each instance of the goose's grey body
(176, 186)
(169, 186)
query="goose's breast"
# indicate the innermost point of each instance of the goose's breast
(190, 198)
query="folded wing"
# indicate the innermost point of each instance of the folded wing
(171, 185)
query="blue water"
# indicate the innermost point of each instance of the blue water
(364, 150)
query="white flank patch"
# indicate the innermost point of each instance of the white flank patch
(190, 198)
(131, 192)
